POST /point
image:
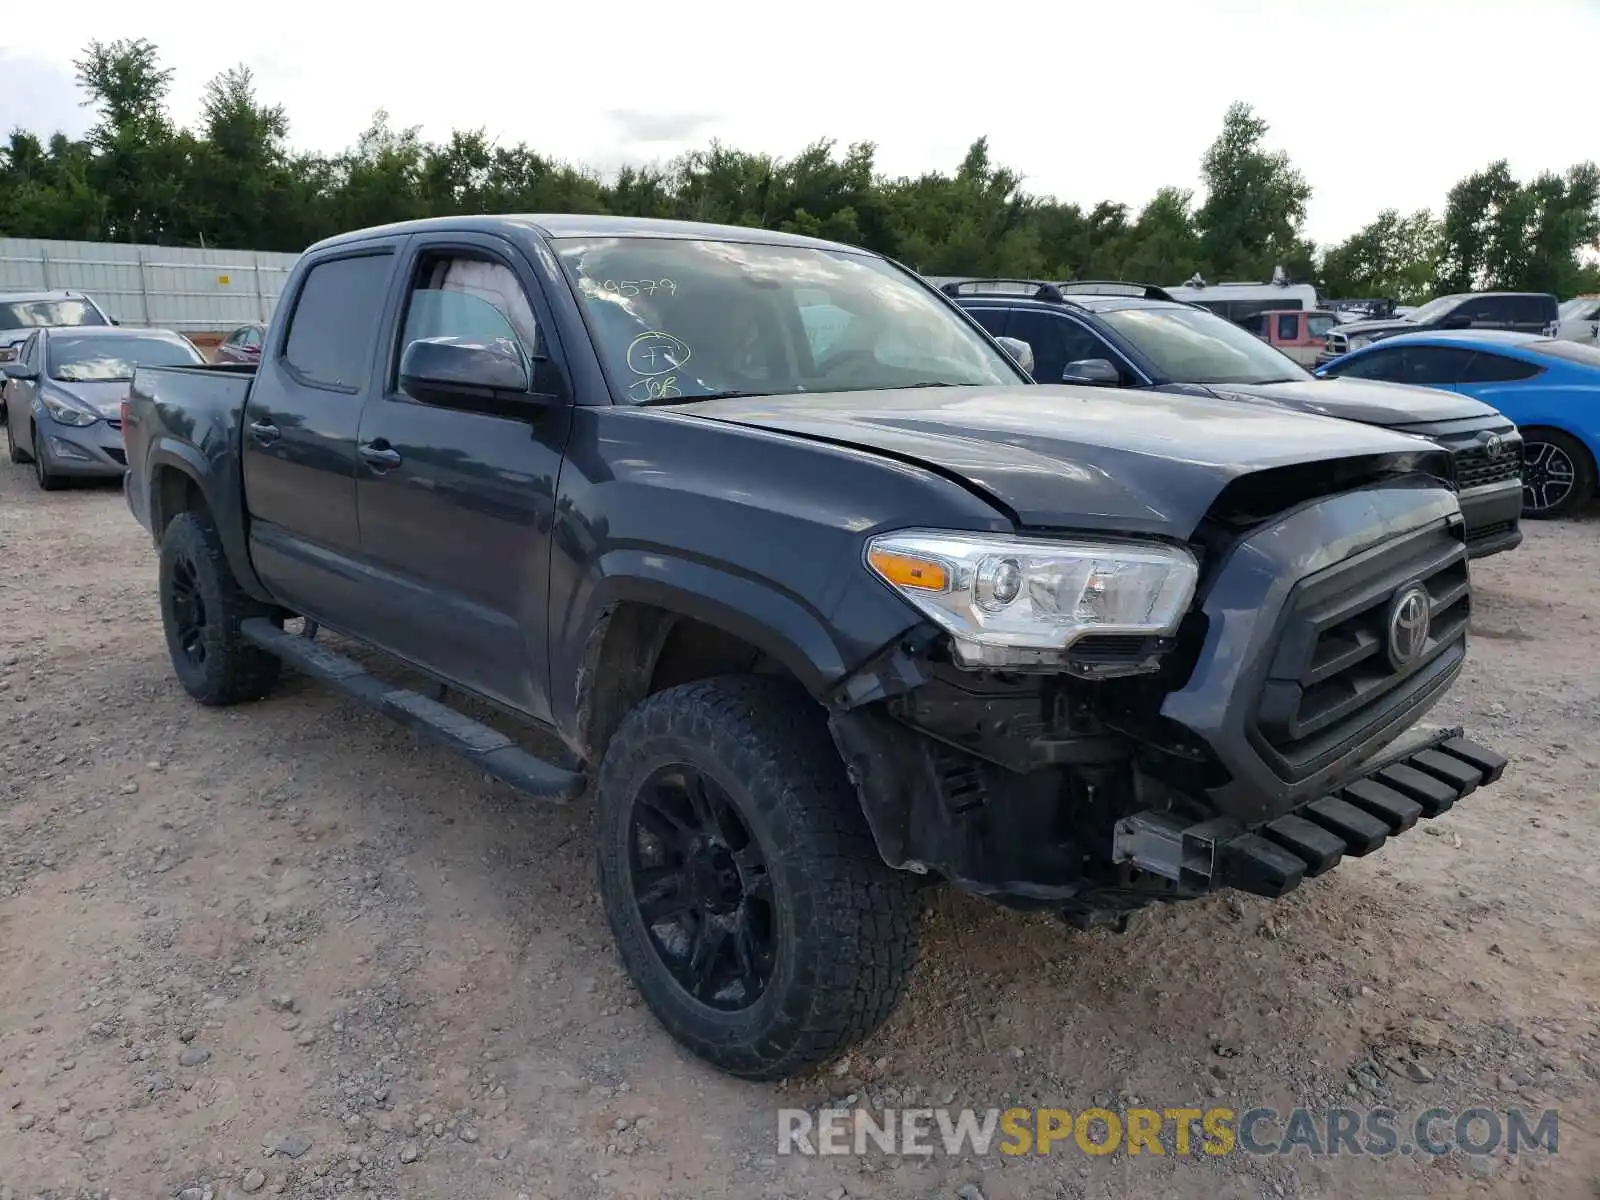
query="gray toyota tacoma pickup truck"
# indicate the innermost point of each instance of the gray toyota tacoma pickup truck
(821, 596)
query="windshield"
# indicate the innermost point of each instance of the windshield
(1578, 308)
(29, 314)
(676, 319)
(1190, 345)
(1433, 309)
(104, 359)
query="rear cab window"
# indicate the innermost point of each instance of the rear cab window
(334, 325)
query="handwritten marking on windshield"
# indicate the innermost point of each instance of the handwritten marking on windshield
(637, 287)
(657, 353)
(658, 388)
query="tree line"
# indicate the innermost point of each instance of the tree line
(137, 176)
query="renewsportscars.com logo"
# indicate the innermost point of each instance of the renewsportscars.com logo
(1375, 1132)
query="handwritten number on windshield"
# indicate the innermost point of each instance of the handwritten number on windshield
(640, 287)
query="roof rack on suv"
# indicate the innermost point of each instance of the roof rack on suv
(1042, 290)
(1101, 287)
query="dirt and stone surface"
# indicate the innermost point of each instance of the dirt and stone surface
(288, 949)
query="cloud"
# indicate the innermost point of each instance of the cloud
(39, 96)
(643, 127)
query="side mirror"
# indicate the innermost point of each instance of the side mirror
(1099, 372)
(1018, 350)
(463, 373)
(16, 370)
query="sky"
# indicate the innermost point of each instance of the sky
(1381, 103)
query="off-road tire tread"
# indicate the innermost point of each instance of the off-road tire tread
(857, 928)
(236, 670)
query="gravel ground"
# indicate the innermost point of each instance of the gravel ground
(289, 949)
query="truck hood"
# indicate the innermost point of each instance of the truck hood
(1368, 328)
(1366, 400)
(1058, 456)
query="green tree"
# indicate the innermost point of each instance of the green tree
(1500, 233)
(1255, 202)
(1395, 255)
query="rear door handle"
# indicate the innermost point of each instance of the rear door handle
(381, 454)
(264, 432)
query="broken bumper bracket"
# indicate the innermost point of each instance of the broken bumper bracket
(1272, 859)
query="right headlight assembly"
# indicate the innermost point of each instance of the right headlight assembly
(1023, 602)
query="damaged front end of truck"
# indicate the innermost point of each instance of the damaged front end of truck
(1250, 714)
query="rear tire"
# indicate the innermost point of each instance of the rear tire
(1558, 474)
(202, 606)
(776, 936)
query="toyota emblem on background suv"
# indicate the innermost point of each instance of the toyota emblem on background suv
(1409, 621)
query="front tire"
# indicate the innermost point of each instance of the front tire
(744, 889)
(202, 606)
(47, 479)
(1558, 474)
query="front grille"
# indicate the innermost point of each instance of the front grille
(1337, 343)
(114, 422)
(1333, 680)
(1474, 466)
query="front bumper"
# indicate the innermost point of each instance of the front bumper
(1493, 515)
(1423, 779)
(86, 451)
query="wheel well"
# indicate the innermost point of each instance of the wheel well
(172, 492)
(637, 650)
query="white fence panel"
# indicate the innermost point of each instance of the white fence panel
(169, 287)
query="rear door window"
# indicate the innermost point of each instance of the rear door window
(334, 326)
(1497, 368)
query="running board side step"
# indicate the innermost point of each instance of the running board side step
(488, 749)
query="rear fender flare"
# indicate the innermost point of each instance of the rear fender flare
(172, 454)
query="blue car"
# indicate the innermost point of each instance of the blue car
(1549, 388)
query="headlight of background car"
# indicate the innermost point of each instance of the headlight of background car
(1022, 602)
(1358, 341)
(66, 412)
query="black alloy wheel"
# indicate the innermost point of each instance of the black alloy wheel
(701, 886)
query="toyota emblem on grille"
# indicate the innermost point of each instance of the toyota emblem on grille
(1409, 619)
(1494, 445)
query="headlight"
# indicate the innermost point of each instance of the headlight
(1359, 341)
(1018, 602)
(65, 412)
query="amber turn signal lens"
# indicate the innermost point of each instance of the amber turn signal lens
(904, 570)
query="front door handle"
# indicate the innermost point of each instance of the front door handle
(381, 455)
(264, 432)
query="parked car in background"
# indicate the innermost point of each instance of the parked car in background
(66, 393)
(1549, 387)
(1299, 333)
(1131, 342)
(1521, 312)
(243, 345)
(23, 312)
(1578, 320)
